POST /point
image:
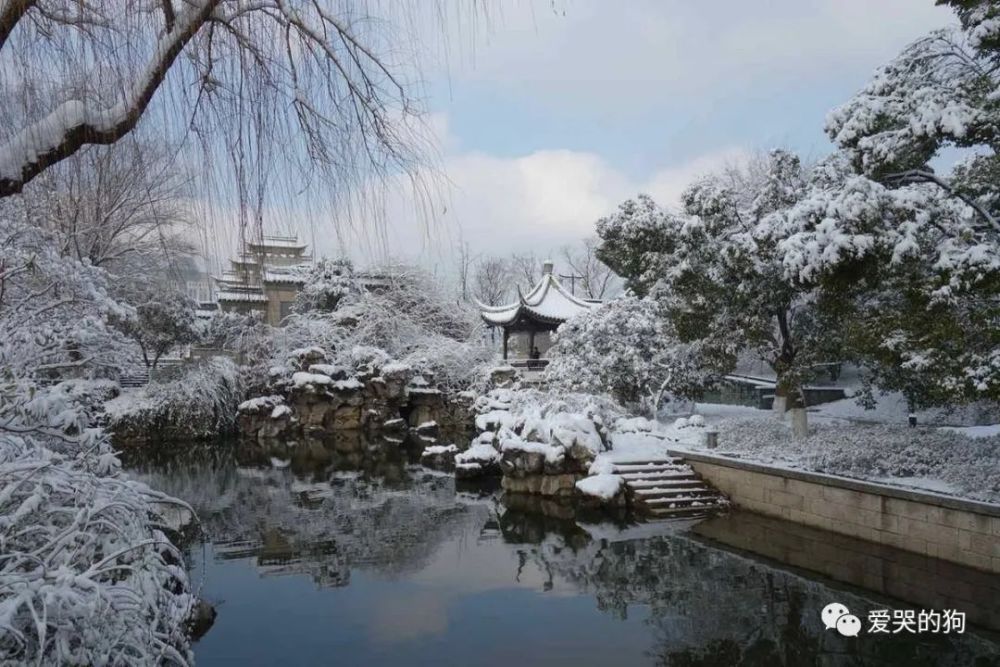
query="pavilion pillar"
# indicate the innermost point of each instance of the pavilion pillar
(531, 342)
(506, 335)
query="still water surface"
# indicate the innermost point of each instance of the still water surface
(331, 555)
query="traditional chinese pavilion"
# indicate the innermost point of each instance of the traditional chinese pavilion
(528, 323)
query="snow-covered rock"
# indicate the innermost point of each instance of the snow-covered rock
(439, 457)
(479, 460)
(604, 487)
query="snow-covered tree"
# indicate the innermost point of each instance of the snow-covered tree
(405, 315)
(53, 309)
(303, 83)
(237, 332)
(717, 270)
(109, 205)
(631, 241)
(628, 349)
(87, 576)
(329, 283)
(162, 321)
(525, 269)
(910, 258)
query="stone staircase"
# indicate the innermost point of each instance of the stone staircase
(667, 488)
(138, 378)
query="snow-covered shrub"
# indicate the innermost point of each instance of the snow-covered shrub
(236, 332)
(412, 311)
(409, 318)
(971, 466)
(528, 417)
(329, 284)
(454, 365)
(86, 576)
(626, 348)
(536, 403)
(201, 403)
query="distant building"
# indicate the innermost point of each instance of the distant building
(528, 323)
(265, 277)
(193, 278)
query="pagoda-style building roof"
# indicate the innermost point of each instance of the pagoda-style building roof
(548, 303)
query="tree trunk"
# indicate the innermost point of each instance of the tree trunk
(783, 389)
(658, 398)
(800, 423)
(795, 405)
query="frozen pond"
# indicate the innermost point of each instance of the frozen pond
(318, 556)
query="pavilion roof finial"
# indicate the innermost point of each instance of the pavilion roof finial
(547, 267)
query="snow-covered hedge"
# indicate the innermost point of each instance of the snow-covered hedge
(201, 403)
(969, 466)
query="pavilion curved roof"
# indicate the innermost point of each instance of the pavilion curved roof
(547, 302)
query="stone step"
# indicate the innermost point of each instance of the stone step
(662, 461)
(655, 491)
(669, 483)
(662, 464)
(704, 499)
(638, 476)
(667, 488)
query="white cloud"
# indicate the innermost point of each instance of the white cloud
(534, 202)
(666, 185)
(632, 64)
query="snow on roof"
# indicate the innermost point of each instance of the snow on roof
(292, 274)
(547, 301)
(278, 242)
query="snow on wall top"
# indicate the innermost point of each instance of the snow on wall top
(241, 296)
(547, 301)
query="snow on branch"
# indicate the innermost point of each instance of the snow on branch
(321, 88)
(73, 124)
(86, 574)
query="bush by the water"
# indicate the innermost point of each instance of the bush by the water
(201, 403)
(86, 576)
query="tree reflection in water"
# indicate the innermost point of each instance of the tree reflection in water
(322, 509)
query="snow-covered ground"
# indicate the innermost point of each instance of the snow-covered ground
(891, 408)
(943, 460)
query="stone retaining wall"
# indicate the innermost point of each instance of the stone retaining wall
(961, 531)
(925, 582)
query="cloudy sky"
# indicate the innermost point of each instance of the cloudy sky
(557, 112)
